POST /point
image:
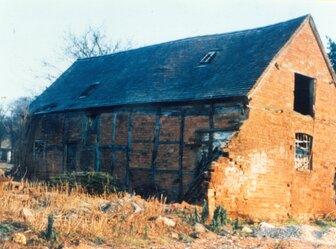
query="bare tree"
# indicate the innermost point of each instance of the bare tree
(92, 42)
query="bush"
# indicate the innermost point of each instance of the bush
(219, 219)
(205, 211)
(91, 182)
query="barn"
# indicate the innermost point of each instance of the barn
(245, 119)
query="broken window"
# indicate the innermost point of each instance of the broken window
(208, 57)
(89, 90)
(92, 123)
(304, 95)
(71, 157)
(39, 150)
(209, 140)
(303, 151)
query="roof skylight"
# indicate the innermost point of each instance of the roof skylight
(208, 57)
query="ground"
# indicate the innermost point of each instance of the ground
(123, 220)
(33, 215)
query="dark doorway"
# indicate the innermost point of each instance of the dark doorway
(71, 157)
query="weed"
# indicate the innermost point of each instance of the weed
(50, 233)
(205, 211)
(145, 232)
(237, 225)
(219, 219)
(195, 217)
(325, 223)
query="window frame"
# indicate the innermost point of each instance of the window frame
(43, 150)
(306, 150)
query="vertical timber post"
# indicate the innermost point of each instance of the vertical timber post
(155, 143)
(211, 126)
(97, 147)
(129, 148)
(65, 127)
(181, 149)
(114, 122)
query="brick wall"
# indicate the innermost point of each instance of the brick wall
(150, 149)
(259, 179)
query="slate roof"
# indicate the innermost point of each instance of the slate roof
(169, 72)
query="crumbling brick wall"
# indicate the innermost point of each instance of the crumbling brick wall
(150, 149)
(258, 179)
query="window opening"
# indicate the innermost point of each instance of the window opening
(208, 57)
(39, 149)
(92, 123)
(218, 141)
(304, 95)
(4, 155)
(89, 90)
(303, 151)
(71, 157)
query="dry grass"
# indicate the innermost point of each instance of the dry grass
(78, 217)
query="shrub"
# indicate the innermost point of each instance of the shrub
(91, 182)
(195, 218)
(219, 219)
(205, 211)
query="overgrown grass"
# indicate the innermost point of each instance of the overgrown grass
(91, 182)
(78, 214)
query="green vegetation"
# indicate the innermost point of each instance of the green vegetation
(219, 219)
(91, 182)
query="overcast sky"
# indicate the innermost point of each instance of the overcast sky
(32, 31)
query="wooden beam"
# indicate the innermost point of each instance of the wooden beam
(211, 126)
(65, 128)
(156, 143)
(163, 171)
(114, 123)
(97, 146)
(84, 128)
(181, 149)
(129, 147)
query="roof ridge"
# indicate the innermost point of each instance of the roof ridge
(200, 36)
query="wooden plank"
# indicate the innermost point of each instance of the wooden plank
(169, 142)
(156, 143)
(142, 141)
(161, 171)
(65, 128)
(181, 149)
(84, 127)
(97, 147)
(114, 123)
(128, 151)
(211, 126)
(151, 141)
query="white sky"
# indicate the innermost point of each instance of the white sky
(32, 30)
